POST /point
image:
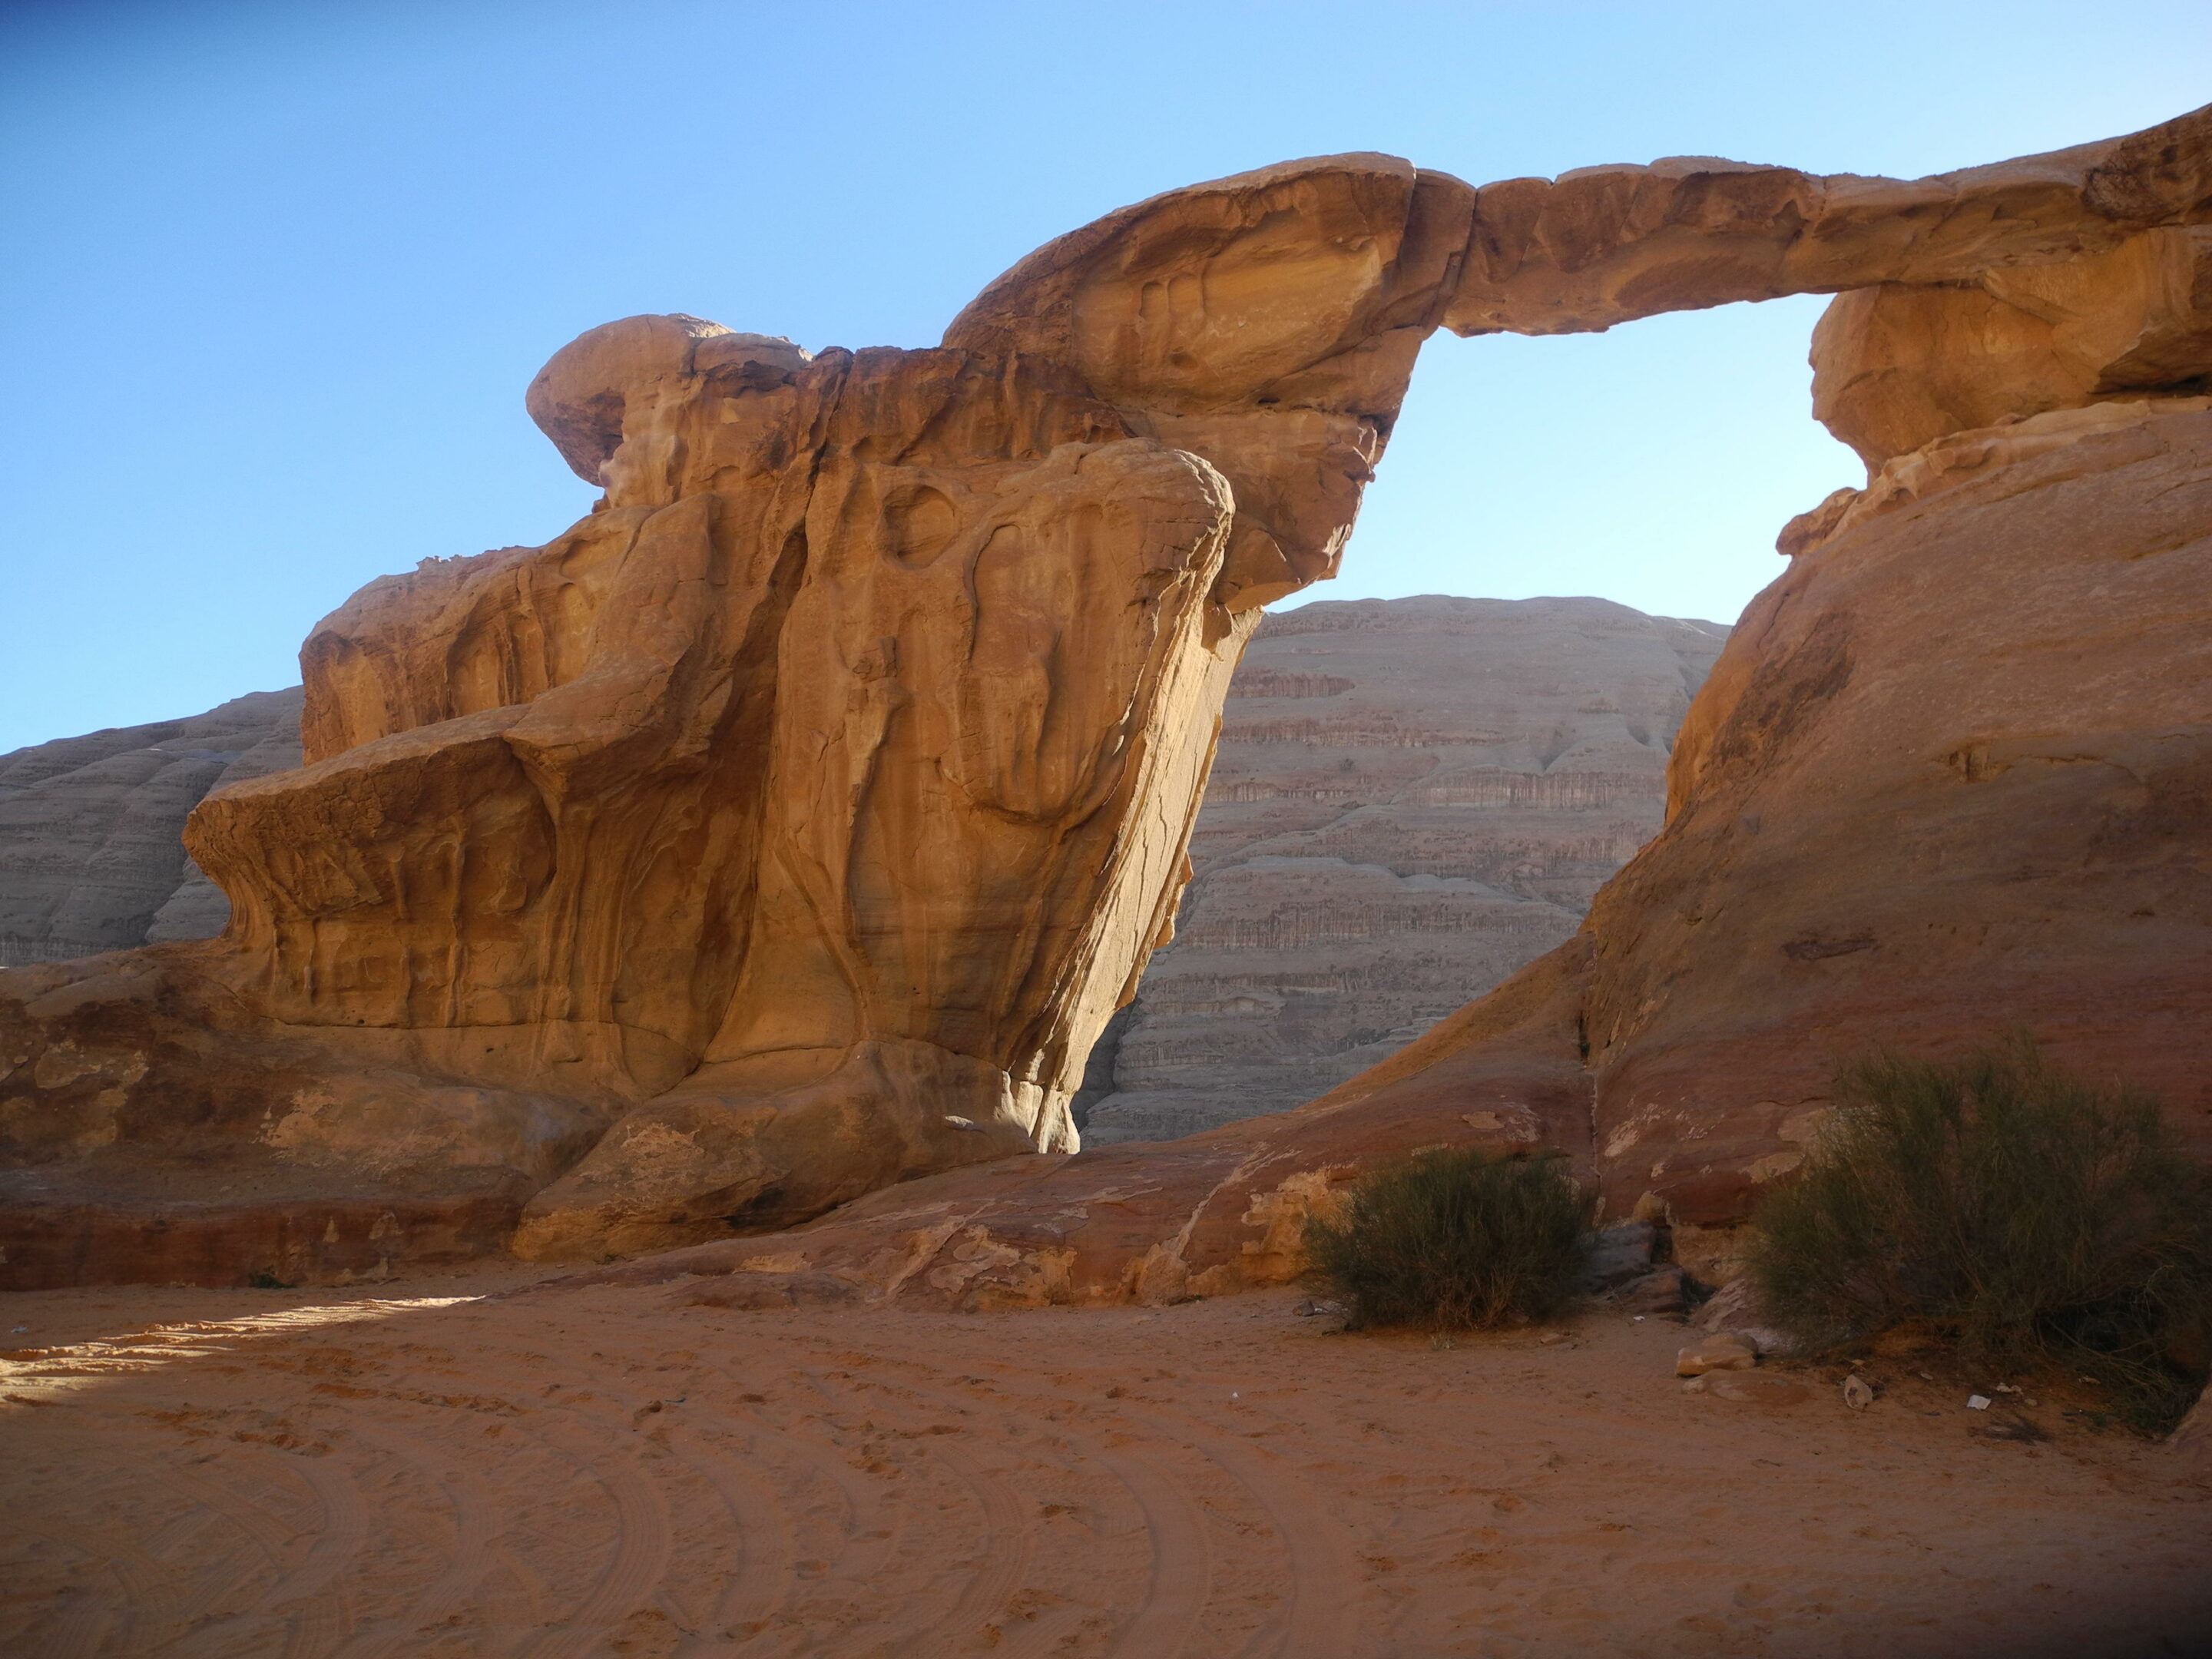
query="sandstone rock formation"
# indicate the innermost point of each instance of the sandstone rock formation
(1952, 776)
(92, 853)
(1209, 1214)
(1899, 365)
(792, 824)
(1411, 799)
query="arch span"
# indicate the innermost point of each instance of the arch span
(789, 827)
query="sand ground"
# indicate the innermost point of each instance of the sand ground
(432, 1468)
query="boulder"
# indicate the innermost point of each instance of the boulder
(1715, 1353)
(1664, 1290)
(1734, 1312)
(1619, 1254)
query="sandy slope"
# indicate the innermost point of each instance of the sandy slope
(610, 1471)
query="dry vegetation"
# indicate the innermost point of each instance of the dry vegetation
(2019, 1212)
(1455, 1238)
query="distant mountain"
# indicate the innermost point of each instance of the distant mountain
(91, 854)
(1413, 798)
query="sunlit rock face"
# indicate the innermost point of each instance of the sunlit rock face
(1950, 778)
(1412, 798)
(1899, 365)
(790, 826)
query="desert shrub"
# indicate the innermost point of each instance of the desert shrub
(2021, 1212)
(1454, 1237)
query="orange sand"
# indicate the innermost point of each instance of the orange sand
(610, 1471)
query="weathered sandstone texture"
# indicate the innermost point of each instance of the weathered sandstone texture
(1950, 777)
(791, 826)
(1411, 799)
(92, 855)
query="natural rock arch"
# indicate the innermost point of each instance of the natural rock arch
(788, 828)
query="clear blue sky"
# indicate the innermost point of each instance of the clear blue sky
(275, 275)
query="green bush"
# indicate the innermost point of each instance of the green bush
(1453, 1238)
(2018, 1211)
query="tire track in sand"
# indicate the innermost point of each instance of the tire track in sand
(1004, 1552)
(868, 1530)
(643, 1543)
(467, 1565)
(768, 1544)
(1322, 1619)
(1179, 1579)
(1380, 1453)
(782, 1465)
(152, 1601)
(265, 1535)
(321, 1621)
(746, 1476)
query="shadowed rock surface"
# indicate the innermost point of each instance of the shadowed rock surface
(1411, 799)
(790, 826)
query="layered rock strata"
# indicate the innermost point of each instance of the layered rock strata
(1411, 799)
(92, 853)
(791, 825)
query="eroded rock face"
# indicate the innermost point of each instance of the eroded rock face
(1412, 798)
(793, 823)
(1956, 786)
(1897, 366)
(1950, 777)
(1947, 779)
(799, 817)
(1209, 1214)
